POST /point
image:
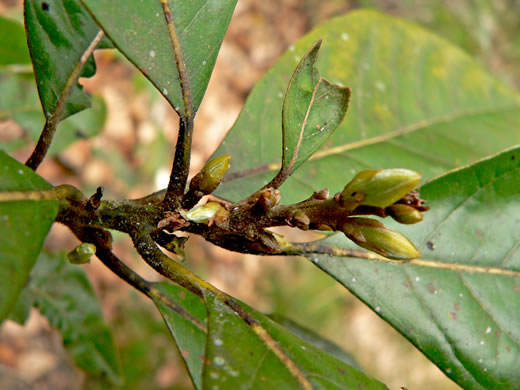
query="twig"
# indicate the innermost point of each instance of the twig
(181, 162)
(52, 120)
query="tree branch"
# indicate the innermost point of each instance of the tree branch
(52, 120)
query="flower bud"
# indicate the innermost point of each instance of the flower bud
(381, 187)
(403, 213)
(205, 213)
(269, 198)
(373, 235)
(81, 254)
(208, 179)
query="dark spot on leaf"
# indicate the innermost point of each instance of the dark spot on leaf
(341, 370)
(478, 233)
(431, 288)
(498, 333)
(353, 194)
(407, 284)
(457, 307)
(515, 288)
(81, 134)
(513, 157)
(508, 348)
(361, 387)
(453, 315)
(430, 245)
(45, 6)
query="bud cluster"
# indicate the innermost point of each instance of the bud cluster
(379, 192)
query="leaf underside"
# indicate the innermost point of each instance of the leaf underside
(139, 30)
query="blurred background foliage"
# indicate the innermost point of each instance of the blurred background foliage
(131, 156)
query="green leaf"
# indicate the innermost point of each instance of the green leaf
(58, 33)
(463, 314)
(23, 228)
(63, 294)
(241, 355)
(13, 46)
(418, 102)
(139, 30)
(188, 328)
(312, 110)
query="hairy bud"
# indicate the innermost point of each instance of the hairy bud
(373, 235)
(405, 214)
(208, 179)
(380, 188)
(81, 254)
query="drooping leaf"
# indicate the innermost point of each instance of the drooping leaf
(463, 314)
(63, 294)
(23, 228)
(19, 102)
(140, 32)
(187, 329)
(13, 46)
(417, 102)
(242, 355)
(312, 110)
(58, 33)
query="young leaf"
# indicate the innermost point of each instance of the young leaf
(63, 294)
(260, 354)
(13, 46)
(187, 329)
(23, 227)
(312, 110)
(459, 304)
(58, 34)
(199, 27)
(418, 102)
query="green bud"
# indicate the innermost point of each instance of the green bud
(81, 254)
(374, 236)
(208, 179)
(205, 213)
(403, 213)
(381, 187)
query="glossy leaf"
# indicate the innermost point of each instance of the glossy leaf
(58, 33)
(238, 357)
(23, 228)
(189, 334)
(140, 32)
(312, 110)
(464, 315)
(417, 102)
(63, 294)
(13, 46)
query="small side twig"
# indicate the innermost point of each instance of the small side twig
(52, 120)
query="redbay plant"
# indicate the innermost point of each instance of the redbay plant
(415, 104)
